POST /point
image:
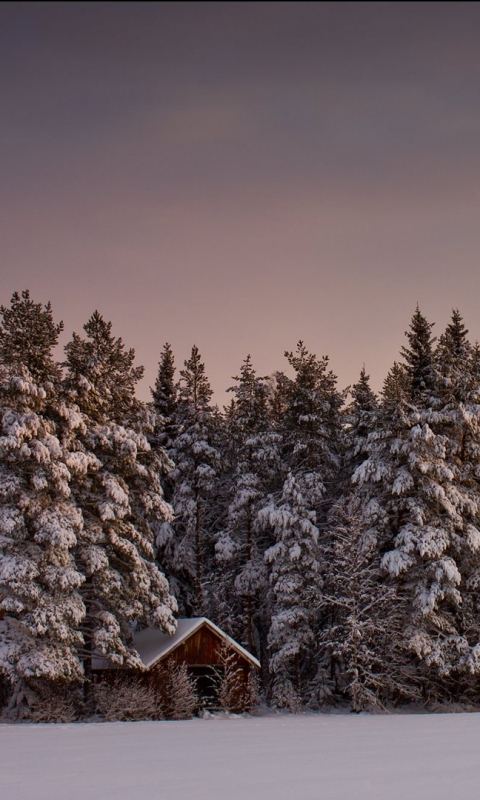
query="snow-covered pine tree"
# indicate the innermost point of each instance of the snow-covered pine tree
(312, 435)
(40, 525)
(164, 401)
(295, 577)
(255, 470)
(359, 417)
(187, 545)
(311, 423)
(364, 635)
(164, 405)
(458, 409)
(396, 385)
(278, 386)
(418, 357)
(416, 508)
(117, 487)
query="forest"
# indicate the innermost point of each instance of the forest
(333, 532)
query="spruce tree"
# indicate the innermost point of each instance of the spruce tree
(359, 416)
(28, 335)
(255, 465)
(187, 545)
(364, 634)
(118, 489)
(296, 582)
(457, 409)
(396, 385)
(312, 437)
(164, 400)
(40, 526)
(416, 508)
(101, 377)
(418, 357)
(311, 422)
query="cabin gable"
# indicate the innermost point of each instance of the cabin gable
(198, 644)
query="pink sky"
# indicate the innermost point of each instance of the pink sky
(241, 176)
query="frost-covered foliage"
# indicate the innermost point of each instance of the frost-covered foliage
(178, 691)
(310, 425)
(164, 399)
(311, 422)
(101, 376)
(363, 636)
(255, 469)
(230, 694)
(359, 418)
(457, 403)
(296, 585)
(43, 700)
(27, 337)
(295, 525)
(117, 486)
(420, 510)
(186, 544)
(40, 525)
(164, 406)
(122, 699)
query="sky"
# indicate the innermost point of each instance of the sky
(240, 176)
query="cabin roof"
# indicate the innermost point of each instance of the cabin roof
(153, 645)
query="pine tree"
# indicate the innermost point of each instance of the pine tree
(418, 357)
(117, 487)
(101, 377)
(396, 385)
(416, 507)
(27, 337)
(296, 593)
(311, 420)
(360, 416)
(457, 409)
(164, 400)
(255, 464)
(364, 636)
(312, 436)
(187, 545)
(40, 525)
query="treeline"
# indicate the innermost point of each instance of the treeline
(333, 533)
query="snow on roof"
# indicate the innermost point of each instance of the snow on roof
(153, 645)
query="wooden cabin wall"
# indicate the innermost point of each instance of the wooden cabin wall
(201, 650)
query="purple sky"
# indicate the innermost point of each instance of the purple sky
(243, 175)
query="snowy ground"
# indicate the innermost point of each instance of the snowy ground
(311, 757)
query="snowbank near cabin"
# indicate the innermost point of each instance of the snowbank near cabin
(311, 757)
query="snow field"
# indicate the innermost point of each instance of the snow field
(277, 757)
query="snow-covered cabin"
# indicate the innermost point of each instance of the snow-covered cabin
(198, 643)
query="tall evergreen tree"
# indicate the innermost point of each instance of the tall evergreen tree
(164, 399)
(311, 420)
(364, 634)
(360, 416)
(164, 431)
(312, 437)
(296, 593)
(416, 507)
(117, 487)
(396, 385)
(187, 545)
(101, 377)
(418, 357)
(32, 352)
(40, 526)
(457, 409)
(241, 545)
